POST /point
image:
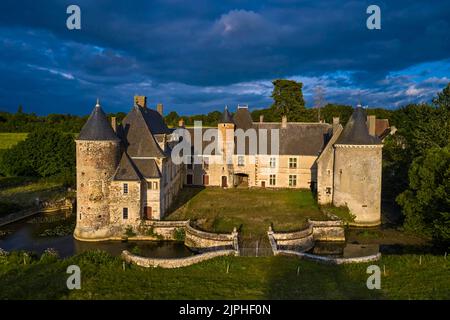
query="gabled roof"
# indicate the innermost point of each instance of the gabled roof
(243, 119)
(226, 116)
(137, 135)
(126, 170)
(97, 127)
(356, 132)
(147, 167)
(154, 121)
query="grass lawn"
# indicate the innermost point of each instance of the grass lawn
(20, 194)
(102, 277)
(219, 210)
(7, 140)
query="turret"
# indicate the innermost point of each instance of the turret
(97, 157)
(357, 171)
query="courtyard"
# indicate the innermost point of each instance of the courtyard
(252, 211)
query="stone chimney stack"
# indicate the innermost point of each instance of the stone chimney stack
(141, 101)
(335, 124)
(114, 123)
(371, 123)
(284, 122)
(181, 123)
(261, 118)
(159, 108)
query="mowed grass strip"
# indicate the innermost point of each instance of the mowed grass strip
(219, 210)
(103, 277)
(7, 140)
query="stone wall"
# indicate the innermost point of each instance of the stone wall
(331, 260)
(304, 240)
(325, 167)
(174, 263)
(96, 163)
(357, 182)
(328, 230)
(206, 241)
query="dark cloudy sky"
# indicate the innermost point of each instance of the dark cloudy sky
(197, 56)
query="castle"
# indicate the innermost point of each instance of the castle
(127, 173)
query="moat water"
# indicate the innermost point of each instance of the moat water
(43, 231)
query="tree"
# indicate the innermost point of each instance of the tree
(44, 153)
(172, 118)
(288, 98)
(426, 202)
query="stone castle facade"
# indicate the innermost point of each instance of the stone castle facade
(126, 173)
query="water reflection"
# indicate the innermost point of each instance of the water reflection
(28, 235)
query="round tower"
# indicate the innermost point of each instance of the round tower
(357, 171)
(97, 157)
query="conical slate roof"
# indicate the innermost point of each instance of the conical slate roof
(97, 127)
(356, 131)
(243, 119)
(226, 116)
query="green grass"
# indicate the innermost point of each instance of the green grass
(102, 277)
(7, 140)
(219, 210)
(22, 194)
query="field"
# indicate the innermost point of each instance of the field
(252, 210)
(17, 193)
(7, 140)
(103, 277)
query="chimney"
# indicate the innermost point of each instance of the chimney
(261, 118)
(371, 123)
(284, 122)
(114, 123)
(181, 123)
(159, 108)
(335, 124)
(141, 101)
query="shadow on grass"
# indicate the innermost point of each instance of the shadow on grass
(290, 278)
(186, 194)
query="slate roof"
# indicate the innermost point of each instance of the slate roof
(97, 127)
(295, 139)
(226, 116)
(356, 132)
(243, 119)
(137, 133)
(126, 170)
(147, 167)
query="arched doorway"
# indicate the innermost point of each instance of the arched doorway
(241, 180)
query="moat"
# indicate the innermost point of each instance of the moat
(36, 234)
(28, 235)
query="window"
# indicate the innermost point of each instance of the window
(125, 213)
(292, 163)
(240, 161)
(189, 179)
(328, 190)
(206, 163)
(155, 185)
(149, 185)
(273, 180)
(292, 180)
(125, 188)
(273, 162)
